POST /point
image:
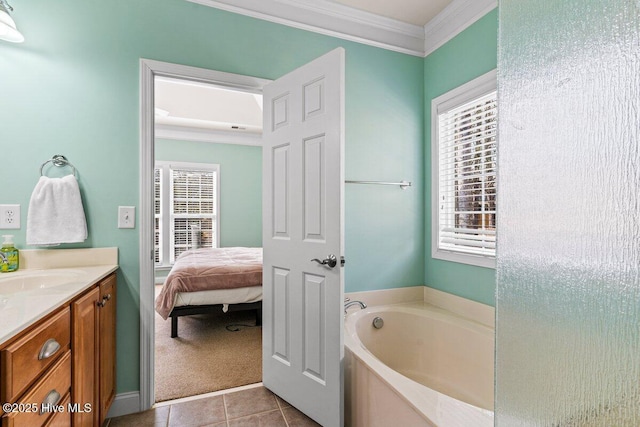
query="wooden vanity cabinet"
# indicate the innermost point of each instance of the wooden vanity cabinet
(68, 359)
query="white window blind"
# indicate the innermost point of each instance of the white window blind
(466, 177)
(157, 214)
(187, 217)
(192, 210)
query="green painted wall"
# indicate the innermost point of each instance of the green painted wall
(240, 184)
(467, 56)
(73, 88)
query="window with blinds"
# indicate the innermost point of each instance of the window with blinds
(464, 202)
(189, 203)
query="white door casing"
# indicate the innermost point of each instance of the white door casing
(303, 191)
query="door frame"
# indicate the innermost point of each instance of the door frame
(149, 69)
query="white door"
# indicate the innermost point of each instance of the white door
(303, 177)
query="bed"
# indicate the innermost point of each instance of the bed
(212, 280)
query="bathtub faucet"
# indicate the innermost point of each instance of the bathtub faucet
(350, 303)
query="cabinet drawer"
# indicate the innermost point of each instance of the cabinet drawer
(51, 388)
(25, 359)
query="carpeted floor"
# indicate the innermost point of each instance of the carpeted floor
(205, 356)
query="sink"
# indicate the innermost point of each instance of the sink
(24, 281)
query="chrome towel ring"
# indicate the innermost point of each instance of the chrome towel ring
(60, 161)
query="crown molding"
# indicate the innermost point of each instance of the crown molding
(188, 133)
(454, 19)
(347, 23)
(331, 19)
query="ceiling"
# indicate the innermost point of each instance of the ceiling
(416, 12)
(191, 104)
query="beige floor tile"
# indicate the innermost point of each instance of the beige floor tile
(283, 403)
(256, 407)
(155, 417)
(265, 419)
(249, 402)
(296, 418)
(199, 412)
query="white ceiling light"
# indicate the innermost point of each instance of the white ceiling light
(8, 30)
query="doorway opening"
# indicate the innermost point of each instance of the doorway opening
(205, 136)
(201, 190)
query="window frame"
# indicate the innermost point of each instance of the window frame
(166, 237)
(452, 99)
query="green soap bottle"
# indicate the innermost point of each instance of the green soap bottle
(9, 255)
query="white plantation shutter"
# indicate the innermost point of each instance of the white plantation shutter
(187, 214)
(465, 221)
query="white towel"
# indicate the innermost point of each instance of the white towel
(55, 213)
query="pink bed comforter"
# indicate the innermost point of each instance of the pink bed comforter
(207, 269)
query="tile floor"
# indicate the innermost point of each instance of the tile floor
(256, 406)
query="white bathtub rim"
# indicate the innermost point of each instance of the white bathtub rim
(441, 409)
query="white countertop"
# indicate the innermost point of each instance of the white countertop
(76, 271)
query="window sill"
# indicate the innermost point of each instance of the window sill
(477, 260)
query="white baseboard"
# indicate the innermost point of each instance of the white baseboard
(125, 404)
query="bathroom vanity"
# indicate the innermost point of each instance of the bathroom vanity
(57, 340)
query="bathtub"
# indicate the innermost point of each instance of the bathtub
(424, 367)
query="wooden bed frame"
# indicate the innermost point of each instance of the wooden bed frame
(188, 310)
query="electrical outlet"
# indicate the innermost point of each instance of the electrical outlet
(126, 216)
(9, 217)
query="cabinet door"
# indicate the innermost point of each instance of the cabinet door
(107, 343)
(84, 344)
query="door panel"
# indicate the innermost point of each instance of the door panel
(314, 330)
(281, 318)
(280, 191)
(314, 197)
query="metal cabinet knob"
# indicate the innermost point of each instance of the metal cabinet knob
(51, 399)
(49, 348)
(104, 300)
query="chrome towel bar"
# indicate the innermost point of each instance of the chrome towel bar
(403, 184)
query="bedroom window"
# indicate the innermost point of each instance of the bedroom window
(186, 208)
(464, 167)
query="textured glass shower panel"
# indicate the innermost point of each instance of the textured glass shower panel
(568, 291)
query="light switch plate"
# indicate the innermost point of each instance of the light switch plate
(9, 217)
(126, 216)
